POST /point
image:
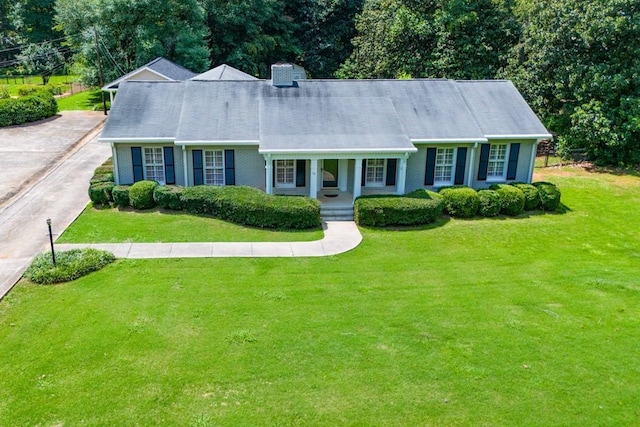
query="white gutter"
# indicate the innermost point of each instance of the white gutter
(531, 136)
(532, 162)
(220, 142)
(446, 140)
(136, 140)
(184, 166)
(343, 150)
(114, 157)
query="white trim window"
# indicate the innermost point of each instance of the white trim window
(375, 173)
(285, 173)
(496, 167)
(213, 167)
(443, 172)
(154, 164)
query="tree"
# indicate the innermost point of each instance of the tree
(433, 38)
(250, 34)
(133, 32)
(577, 66)
(324, 29)
(42, 59)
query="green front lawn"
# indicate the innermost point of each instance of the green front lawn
(155, 225)
(507, 321)
(88, 100)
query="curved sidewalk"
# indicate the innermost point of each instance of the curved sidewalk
(339, 237)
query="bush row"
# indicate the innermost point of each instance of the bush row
(36, 106)
(423, 206)
(416, 208)
(506, 199)
(237, 204)
(52, 88)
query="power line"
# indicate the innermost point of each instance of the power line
(36, 44)
(104, 49)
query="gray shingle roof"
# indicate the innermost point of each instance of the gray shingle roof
(162, 66)
(322, 115)
(224, 72)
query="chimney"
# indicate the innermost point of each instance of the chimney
(282, 75)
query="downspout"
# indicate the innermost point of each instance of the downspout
(472, 161)
(114, 157)
(184, 165)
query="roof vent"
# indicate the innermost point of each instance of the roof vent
(282, 75)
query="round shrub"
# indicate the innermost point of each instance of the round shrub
(489, 203)
(168, 197)
(511, 199)
(460, 202)
(141, 194)
(4, 92)
(70, 265)
(382, 211)
(549, 195)
(120, 194)
(531, 196)
(100, 193)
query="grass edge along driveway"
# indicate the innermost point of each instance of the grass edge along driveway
(526, 321)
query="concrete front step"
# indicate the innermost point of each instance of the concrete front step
(342, 213)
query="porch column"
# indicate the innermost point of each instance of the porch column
(472, 161)
(402, 175)
(268, 166)
(114, 156)
(357, 179)
(184, 165)
(532, 161)
(343, 174)
(313, 179)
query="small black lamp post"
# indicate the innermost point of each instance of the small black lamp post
(53, 253)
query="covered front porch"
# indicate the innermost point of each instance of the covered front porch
(338, 179)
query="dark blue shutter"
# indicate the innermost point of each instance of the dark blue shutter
(391, 171)
(513, 161)
(364, 172)
(461, 162)
(301, 173)
(169, 169)
(229, 167)
(198, 170)
(431, 166)
(136, 158)
(484, 162)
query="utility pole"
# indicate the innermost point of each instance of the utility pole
(104, 103)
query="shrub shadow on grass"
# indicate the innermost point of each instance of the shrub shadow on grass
(441, 221)
(176, 213)
(609, 170)
(562, 209)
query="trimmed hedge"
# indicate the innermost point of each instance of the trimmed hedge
(531, 196)
(120, 194)
(382, 211)
(252, 207)
(549, 195)
(168, 197)
(489, 203)
(460, 202)
(511, 199)
(37, 106)
(141, 194)
(100, 192)
(70, 265)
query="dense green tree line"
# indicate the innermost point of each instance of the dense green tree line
(575, 61)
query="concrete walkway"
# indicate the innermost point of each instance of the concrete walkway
(339, 237)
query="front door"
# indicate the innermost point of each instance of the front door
(330, 173)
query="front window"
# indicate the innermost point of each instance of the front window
(497, 161)
(285, 173)
(445, 158)
(213, 168)
(375, 173)
(154, 164)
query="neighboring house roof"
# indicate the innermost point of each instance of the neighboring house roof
(224, 72)
(322, 115)
(158, 69)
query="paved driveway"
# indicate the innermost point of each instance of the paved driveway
(45, 170)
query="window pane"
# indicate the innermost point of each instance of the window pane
(154, 164)
(497, 157)
(213, 167)
(444, 165)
